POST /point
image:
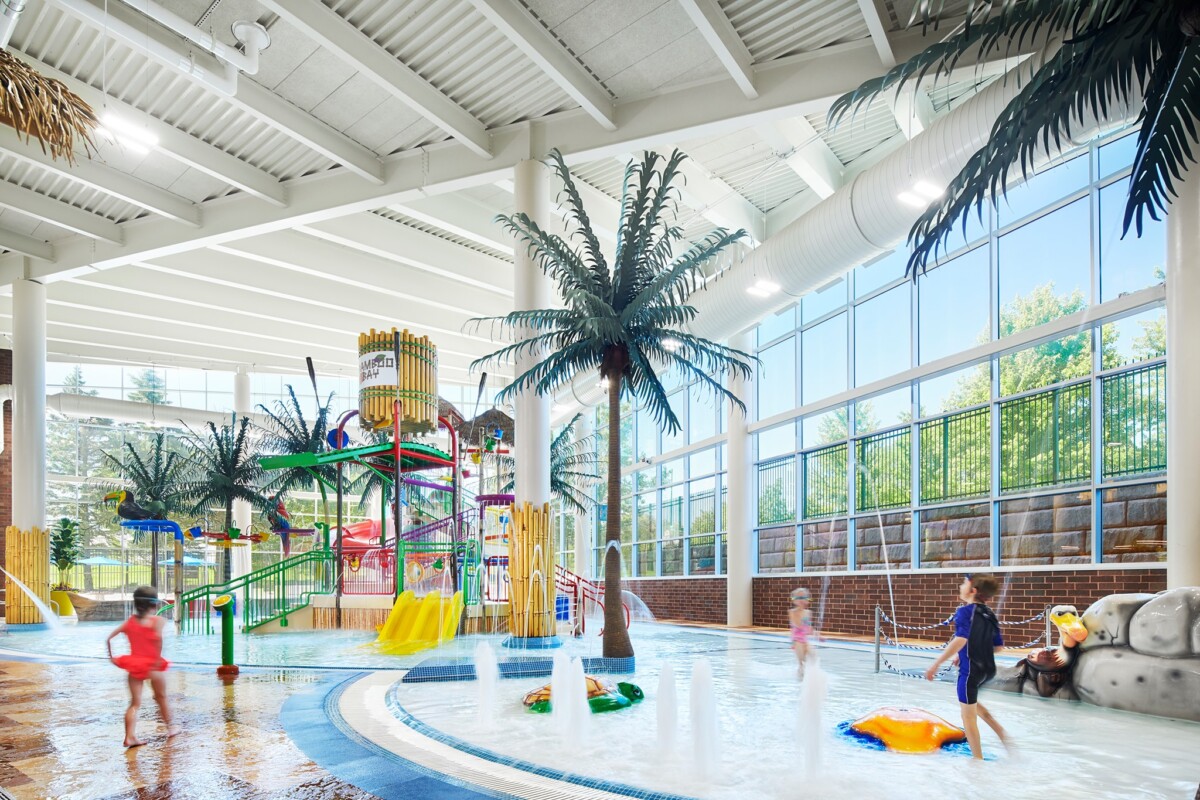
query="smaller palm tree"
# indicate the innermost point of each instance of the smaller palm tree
(574, 465)
(288, 432)
(227, 470)
(157, 476)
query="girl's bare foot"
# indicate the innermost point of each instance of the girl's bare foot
(173, 731)
(135, 743)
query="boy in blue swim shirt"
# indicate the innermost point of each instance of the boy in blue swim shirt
(976, 640)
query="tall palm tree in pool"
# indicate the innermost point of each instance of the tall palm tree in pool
(622, 324)
(1113, 52)
(227, 469)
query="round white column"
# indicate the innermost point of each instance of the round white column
(29, 405)
(242, 512)
(739, 450)
(584, 532)
(1183, 384)
(532, 289)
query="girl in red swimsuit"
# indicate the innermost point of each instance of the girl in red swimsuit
(145, 661)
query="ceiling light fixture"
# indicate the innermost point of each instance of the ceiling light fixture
(922, 194)
(763, 288)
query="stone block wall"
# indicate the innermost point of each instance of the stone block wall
(777, 549)
(1049, 529)
(870, 534)
(824, 544)
(1135, 523)
(956, 536)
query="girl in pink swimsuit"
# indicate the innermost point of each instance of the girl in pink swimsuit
(800, 619)
(144, 662)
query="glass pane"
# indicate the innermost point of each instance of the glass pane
(777, 490)
(956, 536)
(672, 512)
(956, 456)
(777, 441)
(825, 428)
(884, 477)
(777, 549)
(872, 533)
(1043, 189)
(647, 523)
(647, 478)
(672, 472)
(702, 415)
(953, 312)
(823, 301)
(883, 335)
(1116, 156)
(674, 440)
(777, 378)
(824, 545)
(1133, 262)
(1135, 523)
(955, 390)
(1044, 269)
(1133, 339)
(646, 564)
(702, 555)
(672, 557)
(824, 359)
(703, 463)
(776, 325)
(825, 482)
(1047, 363)
(647, 436)
(1134, 416)
(703, 506)
(1052, 529)
(868, 278)
(1045, 439)
(883, 411)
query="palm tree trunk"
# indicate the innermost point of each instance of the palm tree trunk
(616, 634)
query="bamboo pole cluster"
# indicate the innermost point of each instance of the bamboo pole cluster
(27, 557)
(531, 571)
(381, 382)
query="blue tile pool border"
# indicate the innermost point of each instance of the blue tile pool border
(400, 713)
(437, 670)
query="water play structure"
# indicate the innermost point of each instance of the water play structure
(27, 556)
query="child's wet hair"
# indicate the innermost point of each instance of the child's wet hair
(145, 600)
(985, 585)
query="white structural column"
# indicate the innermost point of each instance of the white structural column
(584, 527)
(532, 289)
(1183, 384)
(29, 405)
(739, 589)
(241, 509)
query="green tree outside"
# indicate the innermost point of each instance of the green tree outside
(151, 388)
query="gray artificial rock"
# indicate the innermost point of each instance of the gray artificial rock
(1107, 619)
(1118, 677)
(1168, 626)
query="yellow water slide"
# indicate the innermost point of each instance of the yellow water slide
(414, 625)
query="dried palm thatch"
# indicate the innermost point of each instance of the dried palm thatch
(44, 109)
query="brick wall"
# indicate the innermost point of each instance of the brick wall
(924, 598)
(693, 599)
(6, 456)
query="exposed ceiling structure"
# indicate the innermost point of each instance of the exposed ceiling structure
(352, 180)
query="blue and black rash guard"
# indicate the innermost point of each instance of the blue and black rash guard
(976, 623)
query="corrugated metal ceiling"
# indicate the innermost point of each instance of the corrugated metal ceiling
(774, 29)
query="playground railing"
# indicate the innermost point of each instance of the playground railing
(265, 595)
(883, 622)
(369, 572)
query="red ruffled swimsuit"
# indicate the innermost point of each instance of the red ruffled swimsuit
(145, 650)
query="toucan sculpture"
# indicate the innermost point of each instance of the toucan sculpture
(127, 507)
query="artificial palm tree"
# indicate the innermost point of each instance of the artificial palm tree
(158, 476)
(287, 433)
(1114, 52)
(227, 469)
(573, 465)
(622, 324)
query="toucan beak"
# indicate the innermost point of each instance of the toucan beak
(111, 496)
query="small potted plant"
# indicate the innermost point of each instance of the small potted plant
(64, 552)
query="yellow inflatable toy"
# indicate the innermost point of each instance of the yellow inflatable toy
(903, 730)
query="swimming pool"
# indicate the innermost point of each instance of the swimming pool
(1067, 750)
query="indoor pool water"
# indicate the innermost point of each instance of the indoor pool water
(1064, 750)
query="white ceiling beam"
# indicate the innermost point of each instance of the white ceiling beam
(339, 36)
(256, 100)
(105, 179)
(875, 14)
(725, 42)
(912, 109)
(461, 216)
(174, 143)
(530, 35)
(803, 149)
(720, 203)
(60, 214)
(371, 233)
(801, 85)
(26, 245)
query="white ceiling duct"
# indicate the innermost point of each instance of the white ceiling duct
(80, 405)
(253, 36)
(10, 12)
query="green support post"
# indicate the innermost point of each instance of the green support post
(224, 607)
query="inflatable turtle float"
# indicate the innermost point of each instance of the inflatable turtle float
(601, 696)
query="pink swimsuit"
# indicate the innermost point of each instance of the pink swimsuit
(800, 633)
(145, 644)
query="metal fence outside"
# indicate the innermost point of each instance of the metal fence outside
(1045, 438)
(1134, 416)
